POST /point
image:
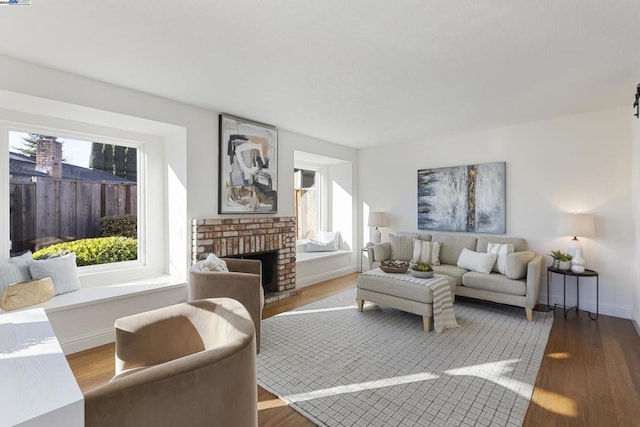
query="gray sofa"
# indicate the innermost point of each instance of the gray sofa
(520, 289)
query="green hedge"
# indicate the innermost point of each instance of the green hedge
(119, 225)
(100, 250)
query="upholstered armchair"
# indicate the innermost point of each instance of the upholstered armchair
(243, 282)
(191, 364)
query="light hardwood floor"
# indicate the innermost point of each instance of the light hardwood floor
(590, 375)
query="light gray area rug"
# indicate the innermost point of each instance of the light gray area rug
(339, 367)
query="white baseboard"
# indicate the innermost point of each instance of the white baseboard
(622, 311)
(635, 325)
(82, 342)
(317, 278)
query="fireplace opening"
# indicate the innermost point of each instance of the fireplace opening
(269, 268)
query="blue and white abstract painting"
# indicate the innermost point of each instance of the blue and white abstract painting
(463, 198)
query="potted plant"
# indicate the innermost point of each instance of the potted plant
(561, 260)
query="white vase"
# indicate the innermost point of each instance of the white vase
(564, 265)
(577, 263)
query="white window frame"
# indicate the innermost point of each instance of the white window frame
(152, 229)
(320, 196)
(140, 190)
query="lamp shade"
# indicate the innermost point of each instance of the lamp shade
(377, 219)
(579, 225)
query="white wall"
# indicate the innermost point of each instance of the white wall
(189, 138)
(578, 163)
(636, 212)
(201, 131)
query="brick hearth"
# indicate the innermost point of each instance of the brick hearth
(245, 236)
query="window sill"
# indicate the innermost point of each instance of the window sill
(99, 294)
(302, 257)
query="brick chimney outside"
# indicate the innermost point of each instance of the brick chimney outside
(49, 156)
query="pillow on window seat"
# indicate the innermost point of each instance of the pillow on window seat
(62, 271)
(14, 270)
(327, 241)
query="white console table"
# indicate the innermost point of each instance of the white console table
(37, 387)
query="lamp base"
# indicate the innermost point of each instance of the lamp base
(574, 246)
(376, 236)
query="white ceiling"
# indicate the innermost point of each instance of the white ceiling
(357, 72)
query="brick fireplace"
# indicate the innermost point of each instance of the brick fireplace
(235, 237)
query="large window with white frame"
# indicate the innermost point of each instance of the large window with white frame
(75, 195)
(162, 224)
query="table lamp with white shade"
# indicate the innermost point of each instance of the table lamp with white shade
(376, 219)
(578, 225)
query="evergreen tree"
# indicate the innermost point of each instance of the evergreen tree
(115, 159)
(30, 144)
(96, 159)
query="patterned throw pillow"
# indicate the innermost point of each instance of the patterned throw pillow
(501, 250)
(401, 247)
(426, 252)
(62, 270)
(12, 272)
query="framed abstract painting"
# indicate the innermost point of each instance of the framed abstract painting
(248, 157)
(463, 198)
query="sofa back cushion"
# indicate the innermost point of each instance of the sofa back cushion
(451, 245)
(518, 243)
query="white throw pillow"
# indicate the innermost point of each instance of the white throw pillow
(426, 252)
(502, 250)
(63, 272)
(213, 263)
(401, 247)
(476, 261)
(325, 241)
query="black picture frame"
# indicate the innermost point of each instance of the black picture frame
(248, 166)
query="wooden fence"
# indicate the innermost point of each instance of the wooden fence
(50, 211)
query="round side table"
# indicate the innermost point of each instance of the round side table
(587, 273)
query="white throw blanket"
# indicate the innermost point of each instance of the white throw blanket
(443, 315)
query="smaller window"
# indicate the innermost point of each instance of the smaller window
(306, 200)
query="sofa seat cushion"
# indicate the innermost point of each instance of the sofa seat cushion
(494, 282)
(452, 271)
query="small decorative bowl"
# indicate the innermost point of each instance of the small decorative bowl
(422, 274)
(392, 266)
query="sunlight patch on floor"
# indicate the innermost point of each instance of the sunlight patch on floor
(559, 356)
(556, 403)
(495, 372)
(317, 310)
(271, 403)
(356, 387)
